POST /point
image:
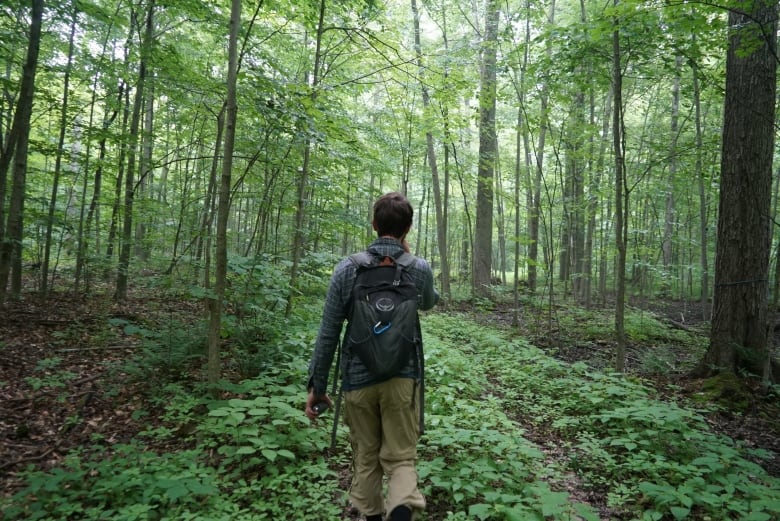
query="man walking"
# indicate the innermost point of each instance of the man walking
(382, 413)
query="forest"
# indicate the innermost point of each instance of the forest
(594, 187)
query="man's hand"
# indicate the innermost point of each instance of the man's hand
(313, 400)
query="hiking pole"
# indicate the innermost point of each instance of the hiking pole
(337, 408)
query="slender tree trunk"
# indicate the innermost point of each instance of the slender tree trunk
(523, 161)
(621, 199)
(216, 302)
(441, 225)
(535, 191)
(703, 199)
(11, 234)
(142, 248)
(113, 229)
(483, 240)
(209, 206)
(303, 179)
(669, 213)
(92, 213)
(58, 158)
(739, 339)
(572, 243)
(135, 123)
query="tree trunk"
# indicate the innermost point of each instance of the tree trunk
(669, 210)
(483, 239)
(216, 302)
(703, 199)
(621, 197)
(93, 213)
(303, 178)
(135, 123)
(11, 234)
(441, 224)
(535, 188)
(141, 248)
(739, 335)
(58, 158)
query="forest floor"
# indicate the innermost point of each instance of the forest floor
(58, 391)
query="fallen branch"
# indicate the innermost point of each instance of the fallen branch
(101, 348)
(27, 459)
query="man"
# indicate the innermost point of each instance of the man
(382, 416)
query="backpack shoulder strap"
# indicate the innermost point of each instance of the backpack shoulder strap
(362, 258)
(405, 259)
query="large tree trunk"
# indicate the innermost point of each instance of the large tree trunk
(739, 336)
(483, 237)
(11, 234)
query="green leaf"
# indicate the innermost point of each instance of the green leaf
(286, 454)
(177, 491)
(269, 454)
(480, 511)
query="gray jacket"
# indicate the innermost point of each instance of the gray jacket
(354, 374)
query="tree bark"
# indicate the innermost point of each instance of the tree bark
(303, 179)
(135, 123)
(703, 199)
(535, 188)
(483, 240)
(739, 335)
(441, 223)
(58, 158)
(11, 234)
(621, 200)
(669, 209)
(216, 302)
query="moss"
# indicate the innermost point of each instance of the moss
(727, 390)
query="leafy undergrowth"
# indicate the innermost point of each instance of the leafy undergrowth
(513, 433)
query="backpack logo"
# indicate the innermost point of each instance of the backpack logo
(383, 322)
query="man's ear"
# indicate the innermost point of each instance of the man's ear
(373, 224)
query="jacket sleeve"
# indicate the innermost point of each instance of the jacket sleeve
(331, 324)
(428, 294)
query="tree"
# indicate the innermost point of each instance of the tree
(488, 148)
(130, 187)
(621, 198)
(739, 335)
(58, 155)
(441, 223)
(303, 177)
(231, 108)
(19, 140)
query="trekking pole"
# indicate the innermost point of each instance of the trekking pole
(337, 392)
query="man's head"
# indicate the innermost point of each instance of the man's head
(392, 215)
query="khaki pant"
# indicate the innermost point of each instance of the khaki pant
(384, 430)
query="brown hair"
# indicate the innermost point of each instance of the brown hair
(393, 215)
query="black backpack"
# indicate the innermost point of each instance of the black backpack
(383, 329)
